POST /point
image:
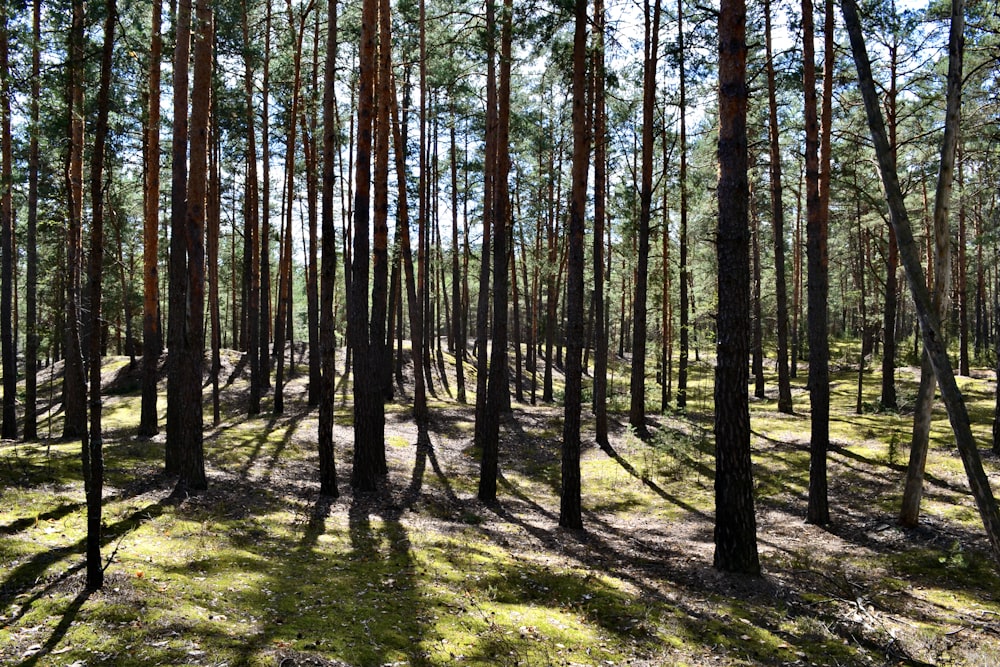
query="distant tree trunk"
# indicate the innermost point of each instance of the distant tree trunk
(929, 326)
(600, 212)
(456, 295)
(516, 314)
(569, 505)
(74, 383)
(682, 230)
(757, 344)
(213, 222)
(817, 205)
(93, 450)
(367, 397)
(913, 492)
(328, 274)
(190, 449)
(251, 234)
(9, 427)
(891, 305)
(31, 308)
(963, 284)
(637, 405)
(178, 381)
(285, 263)
(312, 271)
(413, 305)
(778, 225)
(796, 342)
(735, 523)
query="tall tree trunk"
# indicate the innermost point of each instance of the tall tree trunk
(413, 305)
(93, 450)
(913, 491)
(251, 234)
(757, 344)
(328, 274)
(600, 389)
(816, 250)
(778, 225)
(31, 307)
(213, 221)
(488, 464)
(312, 271)
(637, 406)
(151, 335)
(498, 388)
(891, 305)
(963, 286)
(735, 523)
(191, 449)
(929, 325)
(569, 505)
(74, 383)
(456, 295)
(9, 426)
(682, 230)
(285, 263)
(265, 210)
(177, 374)
(367, 397)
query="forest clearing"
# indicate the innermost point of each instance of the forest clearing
(261, 570)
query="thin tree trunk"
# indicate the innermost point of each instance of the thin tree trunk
(213, 222)
(265, 221)
(600, 213)
(757, 345)
(778, 225)
(328, 341)
(637, 406)
(31, 307)
(682, 231)
(456, 297)
(93, 450)
(252, 237)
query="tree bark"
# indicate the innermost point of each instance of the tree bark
(251, 234)
(600, 213)
(735, 523)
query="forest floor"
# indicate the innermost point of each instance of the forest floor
(260, 570)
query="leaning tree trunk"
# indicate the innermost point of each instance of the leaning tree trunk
(910, 256)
